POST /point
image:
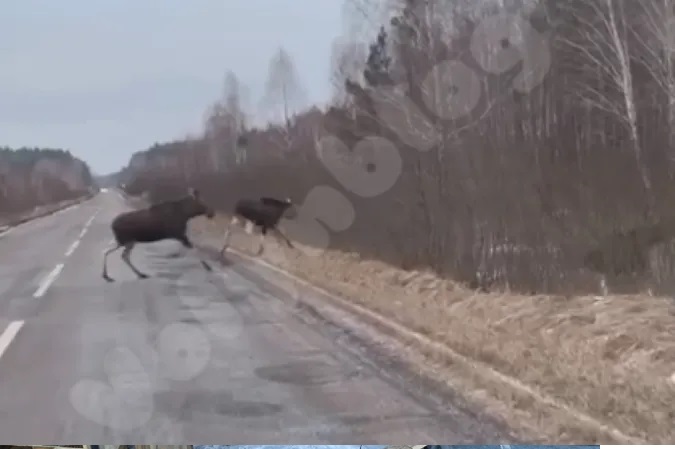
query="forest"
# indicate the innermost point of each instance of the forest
(523, 145)
(31, 177)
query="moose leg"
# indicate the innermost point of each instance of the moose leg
(261, 246)
(126, 257)
(283, 237)
(105, 261)
(604, 290)
(188, 244)
(228, 234)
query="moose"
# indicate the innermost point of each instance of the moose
(265, 213)
(162, 221)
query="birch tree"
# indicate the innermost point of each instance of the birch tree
(347, 63)
(235, 99)
(283, 89)
(603, 28)
(655, 35)
(226, 120)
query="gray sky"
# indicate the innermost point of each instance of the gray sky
(106, 78)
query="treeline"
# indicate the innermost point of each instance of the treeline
(552, 132)
(31, 177)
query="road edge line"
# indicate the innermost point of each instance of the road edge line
(22, 221)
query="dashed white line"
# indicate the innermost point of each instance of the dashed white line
(8, 335)
(72, 247)
(89, 222)
(86, 226)
(47, 281)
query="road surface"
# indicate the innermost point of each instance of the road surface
(185, 355)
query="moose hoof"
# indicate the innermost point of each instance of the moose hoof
(108, 278)
(143, 276)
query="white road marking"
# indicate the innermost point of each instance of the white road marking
(9, 334)
(37, 219)
(47, 281)
(72, 247)
(89, 222)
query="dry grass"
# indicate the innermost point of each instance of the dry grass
(611, 358)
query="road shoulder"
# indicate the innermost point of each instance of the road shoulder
(536, 362)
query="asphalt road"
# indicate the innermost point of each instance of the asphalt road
(185, 355)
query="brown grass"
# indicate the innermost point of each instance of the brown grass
(611, 358)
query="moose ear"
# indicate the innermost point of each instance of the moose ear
(193, 192)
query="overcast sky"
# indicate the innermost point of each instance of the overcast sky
(106, 78)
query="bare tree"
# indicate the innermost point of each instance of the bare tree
(602, 37)
(235, 95)
(513, 195)
(655, 35)
(226, 120)
(347, 63)
(283, 87)
(362, 18)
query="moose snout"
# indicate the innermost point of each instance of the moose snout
(210, 213)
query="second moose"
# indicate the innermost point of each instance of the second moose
(264, 213)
